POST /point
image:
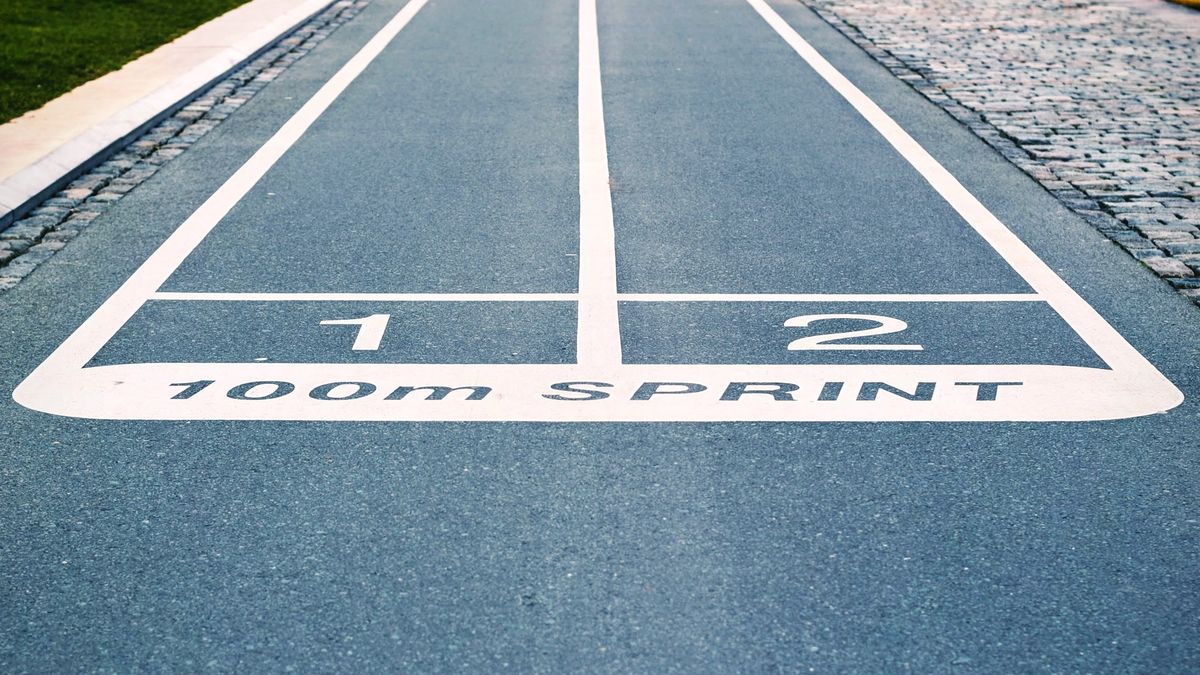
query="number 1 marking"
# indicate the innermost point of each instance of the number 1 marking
(370, 330)
(886, 325)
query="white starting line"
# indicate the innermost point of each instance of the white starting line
(620, 297)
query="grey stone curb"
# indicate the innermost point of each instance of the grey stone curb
(23, 191)
(46, 229)
(1126, 214)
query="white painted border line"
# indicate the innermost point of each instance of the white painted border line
(64, 385)
(572, 297)
(368, 297)
(599, 333)
(1091, 327)
(78, 349)
(829, 297)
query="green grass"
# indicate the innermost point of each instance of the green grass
(48, 47)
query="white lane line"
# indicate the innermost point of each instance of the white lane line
(366, 297)
(599, 333)
(829, 297)
(1095, 331)
(118, 309)
(572, 297)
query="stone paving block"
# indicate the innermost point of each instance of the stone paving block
(1185, 282)
(1164, 230)
(61, 234)
(55, 212)
(1169, 267)
(1145, 253)
(1129, 237)
(16, 245)
(1172, 236)
(29, 228)
(1182, 247)
(25, 263)
(46, 247)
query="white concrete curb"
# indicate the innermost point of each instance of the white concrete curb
(28, 187)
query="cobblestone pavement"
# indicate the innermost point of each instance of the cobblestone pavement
(47, 229)
(1097, 100)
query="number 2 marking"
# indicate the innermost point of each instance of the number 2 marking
(370, 330)
(886, 325)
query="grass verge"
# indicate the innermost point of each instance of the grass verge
(49, 47)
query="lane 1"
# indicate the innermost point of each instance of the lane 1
(293, 332)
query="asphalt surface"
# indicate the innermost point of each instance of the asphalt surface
(451, 165)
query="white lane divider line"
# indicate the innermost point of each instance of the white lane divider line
(1095, 331)
(573, 297)
(830, 297)
(599, 333)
